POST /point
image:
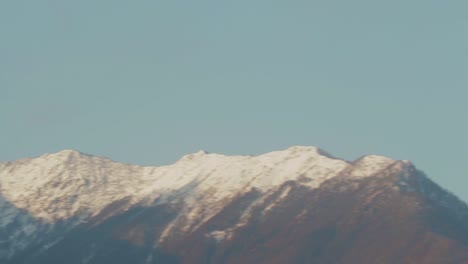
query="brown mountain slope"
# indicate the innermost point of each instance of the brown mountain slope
(382, 219)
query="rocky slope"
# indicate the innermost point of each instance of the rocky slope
(299, 205)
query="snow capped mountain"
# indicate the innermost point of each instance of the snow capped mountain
(49, 202)
(71, 184)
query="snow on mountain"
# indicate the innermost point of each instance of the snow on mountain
(73, 187)
(69, 183)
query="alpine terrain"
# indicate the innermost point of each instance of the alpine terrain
(298, 205)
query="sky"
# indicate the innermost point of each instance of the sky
(146, 82)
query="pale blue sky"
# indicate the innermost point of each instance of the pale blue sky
(148, 81)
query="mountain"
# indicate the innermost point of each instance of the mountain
(299, 205)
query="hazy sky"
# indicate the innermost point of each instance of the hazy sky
(148, 81)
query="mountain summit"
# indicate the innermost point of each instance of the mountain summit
(299, 205)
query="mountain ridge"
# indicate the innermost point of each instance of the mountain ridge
(50, 196)
(200, 152)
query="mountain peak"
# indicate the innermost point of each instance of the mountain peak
(374, 159)
(64, 157)
(68, 152)
(303, 148)
(370, 164)
(201, 152)
(195, 156)
(65, 153)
